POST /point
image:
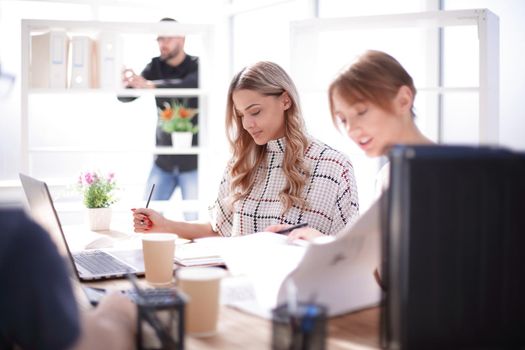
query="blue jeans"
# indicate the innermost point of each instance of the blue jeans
(167, 181)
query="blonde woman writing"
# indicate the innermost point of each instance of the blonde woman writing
(277, 174)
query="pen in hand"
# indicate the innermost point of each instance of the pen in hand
(291, 228)
(150, 193)
(147, 203)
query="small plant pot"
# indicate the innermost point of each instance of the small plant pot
(99, 219)
(181, 140)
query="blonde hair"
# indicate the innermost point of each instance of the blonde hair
(375, 77)
(268, 79)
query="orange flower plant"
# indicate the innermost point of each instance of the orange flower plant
(177, 118)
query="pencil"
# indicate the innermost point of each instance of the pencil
(150, 193)
(291, 228)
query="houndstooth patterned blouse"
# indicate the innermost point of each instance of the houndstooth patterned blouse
(331, 194)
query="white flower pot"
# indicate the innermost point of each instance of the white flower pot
(181, 140)
(99, 219)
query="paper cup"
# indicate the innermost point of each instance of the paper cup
(202, 286)
(158, 250)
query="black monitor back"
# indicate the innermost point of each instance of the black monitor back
(454, 249)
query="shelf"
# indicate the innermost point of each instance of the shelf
(155, 150)
(69, 183)
(306, 36)
(439, 90)
(122, 92)
(124, 206)
(429, 19)
(201, 92)
(36, 155)
(160, 28)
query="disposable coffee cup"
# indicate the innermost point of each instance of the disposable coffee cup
(202, 287)
(158, 250)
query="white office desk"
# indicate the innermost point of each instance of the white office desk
(239, 330)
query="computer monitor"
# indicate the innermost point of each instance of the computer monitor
(453, 223)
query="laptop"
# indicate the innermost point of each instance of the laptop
(88, 265)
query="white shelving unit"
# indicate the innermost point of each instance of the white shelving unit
(306, 38)
(118, 151)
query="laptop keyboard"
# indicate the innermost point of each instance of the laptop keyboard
(153, 296)
(150, 296)
(98, 262)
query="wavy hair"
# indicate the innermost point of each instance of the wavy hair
(268, 79)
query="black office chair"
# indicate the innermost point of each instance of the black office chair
(454, 249)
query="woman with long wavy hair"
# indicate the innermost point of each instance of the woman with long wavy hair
(278, 174)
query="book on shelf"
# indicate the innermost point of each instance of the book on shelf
(49, 53)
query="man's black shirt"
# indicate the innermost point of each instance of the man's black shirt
(183, 76)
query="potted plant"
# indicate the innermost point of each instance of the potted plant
(98, 196)
(176, 119)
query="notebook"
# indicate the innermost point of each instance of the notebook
(202, 252)
(88, 265)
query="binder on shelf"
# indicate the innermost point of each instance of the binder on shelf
(49, 52)
(82, 53)
(105, 72)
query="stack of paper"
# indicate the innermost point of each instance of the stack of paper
(197, 254)
(338, 274)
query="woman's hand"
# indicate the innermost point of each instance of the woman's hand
(306, 233)
(276, 228)
(148, 220)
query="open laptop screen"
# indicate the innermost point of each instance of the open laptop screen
(43, 210)
(86, 265)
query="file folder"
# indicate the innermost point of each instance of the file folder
(81, 62)
(105, 72)
(49, 52)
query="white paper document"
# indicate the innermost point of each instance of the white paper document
(260, 262)
(198, 254)
(337, 274)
